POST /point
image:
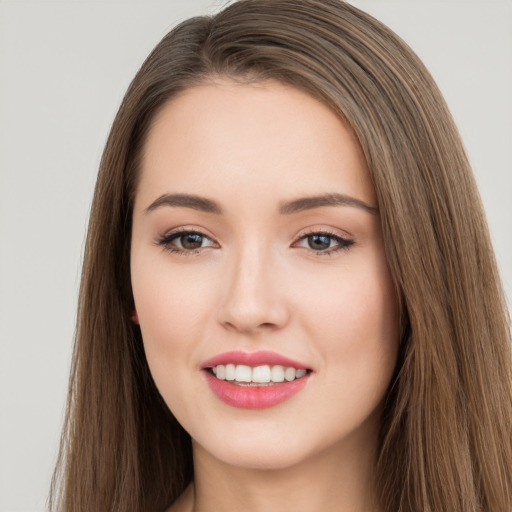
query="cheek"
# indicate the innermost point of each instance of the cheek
(175, 306)
(170, 311)
(356, 325)
(171, 301)
(163, 303)
(356, 300)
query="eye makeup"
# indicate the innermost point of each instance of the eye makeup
(188, 242)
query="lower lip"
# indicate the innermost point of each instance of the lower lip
(254, 397)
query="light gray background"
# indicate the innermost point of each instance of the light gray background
(64, 66)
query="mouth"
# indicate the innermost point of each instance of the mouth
(263, 375)
(255, 380)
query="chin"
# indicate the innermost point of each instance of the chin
(266, 458)
(270, 447)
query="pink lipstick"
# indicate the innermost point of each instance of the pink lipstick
(254, 380)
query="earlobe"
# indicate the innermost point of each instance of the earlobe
(134, 317)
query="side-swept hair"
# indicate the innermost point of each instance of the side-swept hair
(446, 437)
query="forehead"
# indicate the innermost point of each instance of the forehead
(263, 138)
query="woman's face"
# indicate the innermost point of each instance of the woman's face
(256, 244)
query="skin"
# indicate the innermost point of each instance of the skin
(258, 282)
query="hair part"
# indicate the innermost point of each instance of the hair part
(446, 436)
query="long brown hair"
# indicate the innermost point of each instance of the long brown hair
(446, 436)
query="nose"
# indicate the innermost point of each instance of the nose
(254, 296)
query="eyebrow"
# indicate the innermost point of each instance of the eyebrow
(185, 201)
(308, 203)
(285, 208)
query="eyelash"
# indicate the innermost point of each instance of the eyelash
(343, 243)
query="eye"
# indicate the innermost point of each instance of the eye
(185, 242)
(324, 243)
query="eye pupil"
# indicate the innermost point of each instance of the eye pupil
(319, 241)
(191, 241)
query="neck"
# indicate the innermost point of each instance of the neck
(339, 479)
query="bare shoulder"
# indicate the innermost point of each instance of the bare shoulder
(185, 503)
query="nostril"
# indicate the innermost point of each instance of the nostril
(248, 327)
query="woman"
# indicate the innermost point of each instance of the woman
(289, 297)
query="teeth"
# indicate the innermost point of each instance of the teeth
(221, 372)
(277, 374)
(243, 373)
(259, 374)
(230, 372)
(289, 374)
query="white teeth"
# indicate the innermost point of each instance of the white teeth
(221, 372)
(298, 374)
(289, 374)
(277, 373)
(243, 373)
(259, 374)
(230, 372)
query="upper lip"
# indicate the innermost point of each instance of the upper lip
(253, 359)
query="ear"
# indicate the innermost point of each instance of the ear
(134, 317)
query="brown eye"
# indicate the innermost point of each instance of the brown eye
(191, 240)
(185, 242)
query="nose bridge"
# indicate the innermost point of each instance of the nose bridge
(252, 297)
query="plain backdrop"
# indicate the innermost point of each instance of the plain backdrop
(64, 67)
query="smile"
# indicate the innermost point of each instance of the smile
(254, 380)
(242, 374)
